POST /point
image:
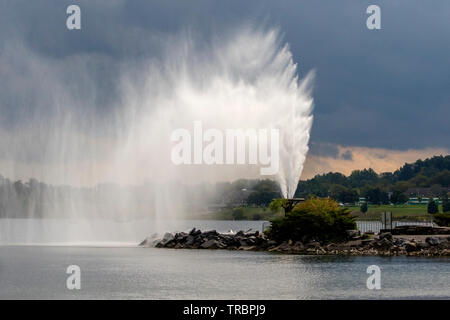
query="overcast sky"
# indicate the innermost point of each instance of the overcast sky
(385, 89)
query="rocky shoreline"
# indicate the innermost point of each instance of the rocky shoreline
(384, 244)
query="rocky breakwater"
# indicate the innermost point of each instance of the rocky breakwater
(383, 245)
(197, 239)
(388, 245)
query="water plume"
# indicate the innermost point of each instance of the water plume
(247, 80)
(66, 135)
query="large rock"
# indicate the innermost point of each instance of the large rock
(146, 243)
(243, 243)
(313, 245)
(353, 233)
(168, 236)
(150, 241)
(367, 242)
(422, 245)
(181, 236)
(298, 246)
(195, 232)
(432, 241)
(190, 240)
(210, 234)
(383, 243)
(166, 241)
(411, 246)
(386, 235)
(211, 244)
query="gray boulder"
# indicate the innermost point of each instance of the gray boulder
(423, 245)
(386, 235)
(190, 240)
(385, 243)
(366, 242)
(211, 244)
(168, 237)
(243, 243)
(298, 246)
(432, 241)
(195, 232)
(146, 243)
(210, 234)
(410, 246)
(352, 233)
(149, 241)
(313, 245)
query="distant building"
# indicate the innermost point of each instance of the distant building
(418, 201)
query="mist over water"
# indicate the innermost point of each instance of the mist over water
(115, 158)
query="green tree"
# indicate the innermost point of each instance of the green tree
(360, 178)
(436, 190)
(445, 203)
(432, 207)
(262, 198)
(420, 181)
(277, 204)
(375, 195)
(442, 178)
(343, 194)
(398, 197)
(363, 207)
(402, 186)
(264, 191)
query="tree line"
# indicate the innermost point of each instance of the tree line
(383, 188)
(36, 199)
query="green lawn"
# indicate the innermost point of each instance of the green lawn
(399, 212)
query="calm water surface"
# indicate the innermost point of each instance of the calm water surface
(31, 272)
(119, 270)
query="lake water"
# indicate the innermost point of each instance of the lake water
(116, 269)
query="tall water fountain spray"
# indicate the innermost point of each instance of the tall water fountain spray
(246, 79)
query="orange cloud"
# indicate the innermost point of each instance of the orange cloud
(381, 160)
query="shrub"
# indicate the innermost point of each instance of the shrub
(315, 219)
(445, 203)
(432, 207)
(238, 214)
(277, 204)
(442, 219)
(364, 207)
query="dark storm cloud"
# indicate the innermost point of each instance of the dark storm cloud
(387, 88)
(328, 150)
(324, 150)
(347, 155)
